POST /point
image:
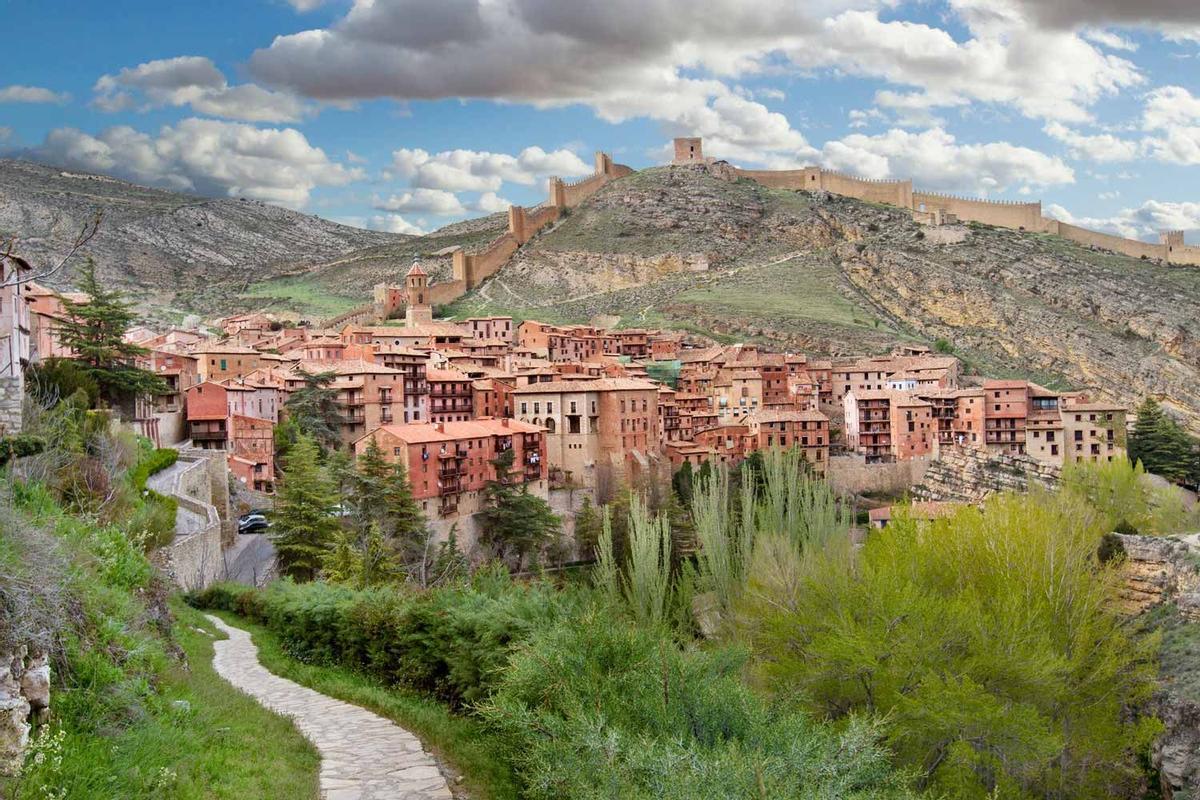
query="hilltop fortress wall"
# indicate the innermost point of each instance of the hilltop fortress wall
(934, 207)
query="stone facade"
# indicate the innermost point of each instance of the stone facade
(967, 475)
(12, 395)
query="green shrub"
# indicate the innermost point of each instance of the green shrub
(149, 464)
(20, 446)
(594, 708)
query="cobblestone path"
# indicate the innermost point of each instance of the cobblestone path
(363, 755)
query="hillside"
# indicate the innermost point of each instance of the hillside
(183, 248)
(681, 247)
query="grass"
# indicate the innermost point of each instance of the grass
(792, 291)
(460, 741)
(218, 743)
(302, 295)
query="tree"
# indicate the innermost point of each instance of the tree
(515, 523)
(382, 497)
(315, 410)
(94, 331)
(360, 560)
(304, 528)
(1161, 445)
(682, 482)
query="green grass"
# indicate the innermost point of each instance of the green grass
(302, 295)
(792, 290)
(221, 745)
(460, 741)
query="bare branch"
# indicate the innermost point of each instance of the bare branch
(23, 267)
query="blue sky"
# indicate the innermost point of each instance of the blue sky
(408, 114)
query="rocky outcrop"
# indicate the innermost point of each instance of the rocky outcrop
(1163, 573)
(967, 475)
(24, 697)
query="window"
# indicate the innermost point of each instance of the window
(222, 363)
(1079, 436)
(1053, 449)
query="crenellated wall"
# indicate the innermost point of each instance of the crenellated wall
(1118, 244)
(1003, 214)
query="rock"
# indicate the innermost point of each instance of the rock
(968, 475)
(35, 684)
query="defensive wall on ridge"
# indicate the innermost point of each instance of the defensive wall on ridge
(934, 207)
(471, 269)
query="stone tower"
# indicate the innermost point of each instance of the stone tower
(688, 150)
(1171, 238)
(416, 286)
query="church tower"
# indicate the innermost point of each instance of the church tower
(416, 286)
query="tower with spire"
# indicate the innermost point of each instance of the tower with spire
(416, 286)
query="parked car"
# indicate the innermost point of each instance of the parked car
(252, 523)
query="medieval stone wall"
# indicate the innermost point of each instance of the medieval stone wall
(851, 474)
(1118, 244)
(1019, 216)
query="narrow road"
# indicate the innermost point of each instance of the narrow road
(363, 755)
(249, 558)
(186, 521)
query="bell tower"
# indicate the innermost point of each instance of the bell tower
(416, 288)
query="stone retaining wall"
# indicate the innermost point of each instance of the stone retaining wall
(12, 396)
(850, 474)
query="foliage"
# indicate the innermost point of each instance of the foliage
(451, 641)
(1162, 446)
(514, 523)
(94, 331)
(304, 528)
(19, 446)
(648, 574)
(152, 463)
(1127, 499)
(53, 379)
(682, 482)
(381, 495)
(360, 560)
(989, 638)
(314, 410)
(597, 708)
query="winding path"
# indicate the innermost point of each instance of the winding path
(363, 755)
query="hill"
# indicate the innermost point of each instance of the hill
(188, 251)
(684, 247)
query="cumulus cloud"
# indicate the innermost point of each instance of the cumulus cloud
(1073, 13)
(490, 203)
(939, 162)
(482, 171)
(209, 157)
(1172, 115)
(15, 93)
(1099, 147)
(193, 81)
(424, 201)
(1141, 222)
(394, 223)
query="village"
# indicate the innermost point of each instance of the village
(585, 409)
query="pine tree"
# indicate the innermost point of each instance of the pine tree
(304, 529)
(315, 410)
(515, 523)
(94, 331)
(682, 483)
(1161, 446)
(360, 560)
(383, 497)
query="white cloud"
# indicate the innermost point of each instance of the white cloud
(193, 81)
(206, 156)
(354, 158)
(1099, 147)
(1113, 195)
(1172, 114)
(304, 6)
(481, 171)
(424, 201)
(937, 161)
(1110, 40)
(490, 203)
(16, 93)
(1141, 222)
(394, 223)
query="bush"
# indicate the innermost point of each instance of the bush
(450, 642)
(152, 463)
(20, 446)
(593, 708)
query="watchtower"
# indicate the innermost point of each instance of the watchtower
(689, 150)
(416, 285)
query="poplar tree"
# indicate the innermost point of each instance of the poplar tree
(304, 528)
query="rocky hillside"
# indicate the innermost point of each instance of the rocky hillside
(172, 244)
(685, 247)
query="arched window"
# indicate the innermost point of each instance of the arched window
(550, 424)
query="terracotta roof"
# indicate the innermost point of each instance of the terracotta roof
(417, 269)
(770, 415)
(593, 384)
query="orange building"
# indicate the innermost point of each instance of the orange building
(450, 463)
(451, 396)
(807, 430)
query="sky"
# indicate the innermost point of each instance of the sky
(405, 115)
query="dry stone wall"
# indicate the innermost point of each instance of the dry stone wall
(12, 395)
(24, 697)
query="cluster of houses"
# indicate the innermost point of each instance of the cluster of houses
(578, 405)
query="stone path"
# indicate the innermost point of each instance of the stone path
(363, 755)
